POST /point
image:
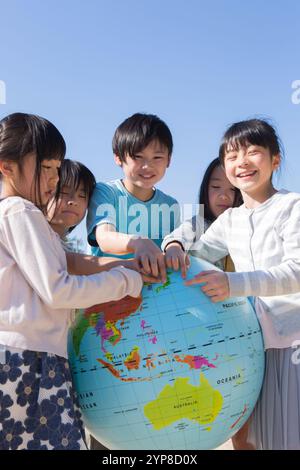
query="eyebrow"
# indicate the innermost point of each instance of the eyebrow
(161, 152)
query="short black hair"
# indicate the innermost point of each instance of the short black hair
(251, 132)
(72, 174)
(203, 192)
(137, 131)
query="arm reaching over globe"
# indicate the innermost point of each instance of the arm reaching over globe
(189, 236)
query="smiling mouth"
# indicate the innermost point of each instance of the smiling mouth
(247, 174)
(147, 177)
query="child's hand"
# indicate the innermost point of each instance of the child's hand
(150, 258)
(150, 279)
(176, 258)
(215, 286)
(131, 264)
(134, 264)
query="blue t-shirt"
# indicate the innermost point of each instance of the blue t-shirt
(111, 203)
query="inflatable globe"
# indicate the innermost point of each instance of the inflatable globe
(170, 370)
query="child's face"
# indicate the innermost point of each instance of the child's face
(22, 182)
(70, 208)
(221, 193)
(147, 167)
(250, 168)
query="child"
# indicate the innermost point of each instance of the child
(69, 205)
(216, 195)
(263, 238)
(68, 208)
(130, 216)
(37, 400)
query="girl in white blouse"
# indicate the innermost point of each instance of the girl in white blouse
(263, 239)
(39, 409)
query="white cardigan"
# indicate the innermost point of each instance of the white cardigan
(37, 293)
(264, 244)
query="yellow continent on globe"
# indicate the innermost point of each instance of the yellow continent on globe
(200, 403)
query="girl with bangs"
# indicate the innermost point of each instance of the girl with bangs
(67, 209)
(38, 406)
(69, 204)
(262, 237)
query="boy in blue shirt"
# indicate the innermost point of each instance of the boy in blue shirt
(129, 217)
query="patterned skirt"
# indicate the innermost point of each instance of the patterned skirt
(38, 407)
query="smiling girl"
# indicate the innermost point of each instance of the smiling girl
(38, 406)
(263, 238)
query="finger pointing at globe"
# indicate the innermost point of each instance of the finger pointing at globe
(215, 284)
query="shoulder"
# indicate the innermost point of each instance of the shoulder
(105, 191)
(108, 185)
(166, 198)
(286, 206)
(289, 197)
(285, 202)
(23, 218)
(16, 205)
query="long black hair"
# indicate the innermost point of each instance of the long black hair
(203, 192)
(21, 134)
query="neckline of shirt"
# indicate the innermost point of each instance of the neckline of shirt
(265, 204)
(123, 188)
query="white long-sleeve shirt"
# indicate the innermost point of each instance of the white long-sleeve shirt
(37, 293)
(264, 244)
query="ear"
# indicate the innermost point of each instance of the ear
(7, 168)
(276, 161)
(169, 161)
(118, 160)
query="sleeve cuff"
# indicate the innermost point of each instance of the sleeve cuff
(168, 240)
(134, 280)
(237, 285)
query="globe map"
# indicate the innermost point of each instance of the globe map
(169, 370)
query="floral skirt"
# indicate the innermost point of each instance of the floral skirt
(38, 407)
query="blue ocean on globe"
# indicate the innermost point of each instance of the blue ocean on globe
(170, 370)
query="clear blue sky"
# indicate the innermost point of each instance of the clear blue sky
(199, 65)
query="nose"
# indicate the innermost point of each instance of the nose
(72, 202)
(243, 159)
(147, 163)
(224, 196)
(54, 179)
